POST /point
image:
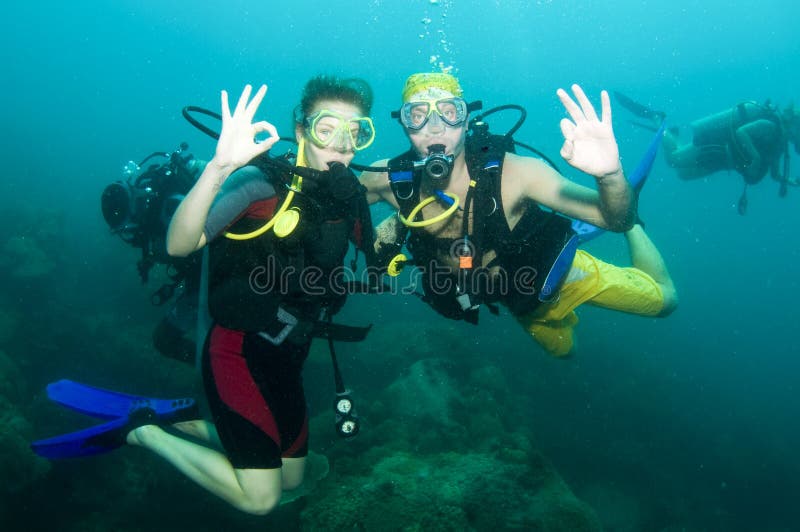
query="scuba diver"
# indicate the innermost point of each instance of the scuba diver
(138, 209)
(487, 226)
(277, 230)
(750, 138)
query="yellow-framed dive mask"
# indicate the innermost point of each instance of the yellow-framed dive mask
(327, 128)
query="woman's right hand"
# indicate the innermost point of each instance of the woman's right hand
(237, 144)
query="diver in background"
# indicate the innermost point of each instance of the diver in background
(139, 209)
(750, 138)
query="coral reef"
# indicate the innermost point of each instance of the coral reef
(12, 383)
(19, 467)
(317, 468)
(467, 471)
(8, 325)
(24, 257)
(449, 491)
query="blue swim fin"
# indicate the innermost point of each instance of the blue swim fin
(86, 442)
(587, 231)
(125, 412)
(559, 270)
(102, 403)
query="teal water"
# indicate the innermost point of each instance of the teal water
(687, 422)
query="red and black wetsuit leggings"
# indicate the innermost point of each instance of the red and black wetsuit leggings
(255, 393)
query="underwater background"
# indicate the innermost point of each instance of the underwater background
(687, 423)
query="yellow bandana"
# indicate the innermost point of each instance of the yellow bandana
(426, 80)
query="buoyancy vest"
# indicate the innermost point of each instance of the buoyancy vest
(524, 255)
(720, 128)
(250, 280)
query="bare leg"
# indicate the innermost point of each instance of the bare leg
(255, 491)
(200, 429)
(694, 162)
(646, 257)
(293, 471)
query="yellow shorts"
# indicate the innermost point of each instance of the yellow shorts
(595, 282)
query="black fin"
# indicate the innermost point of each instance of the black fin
(639, 109)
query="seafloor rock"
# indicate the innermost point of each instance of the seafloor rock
(19, 467)
(618, 510)
(8, 325)
(436, 454)
(317, 468)
(449, 491)
(424, 393)
(438, 404)
(25, 258)
(12, 383)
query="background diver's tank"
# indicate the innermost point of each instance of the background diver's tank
(718, 128)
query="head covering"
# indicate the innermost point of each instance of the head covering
(427, 80)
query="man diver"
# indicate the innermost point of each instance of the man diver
(470, 212)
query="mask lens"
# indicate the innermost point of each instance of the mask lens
(329, 128)
(362, 132)
(452, 110)
(414, 115)
(324, 128)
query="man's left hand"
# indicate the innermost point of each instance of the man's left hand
(589, 143)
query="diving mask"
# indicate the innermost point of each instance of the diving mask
(330, 128)
(414, 115)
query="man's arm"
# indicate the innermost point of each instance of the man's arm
(610, 207)
(756, 166)
(590, 146)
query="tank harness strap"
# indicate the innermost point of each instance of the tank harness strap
(467, 254)
(404, 182)
(487, 171)
(285, 323)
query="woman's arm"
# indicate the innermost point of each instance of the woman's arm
(236, 147)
